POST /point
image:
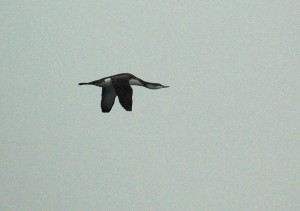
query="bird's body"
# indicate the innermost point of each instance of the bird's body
(120, 85)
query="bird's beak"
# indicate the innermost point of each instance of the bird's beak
(165, 86)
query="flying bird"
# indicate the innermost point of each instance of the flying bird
(120, 85)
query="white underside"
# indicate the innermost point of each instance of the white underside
(135, 82)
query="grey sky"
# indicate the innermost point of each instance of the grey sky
(224, 136)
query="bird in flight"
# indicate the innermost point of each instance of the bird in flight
(120, 85)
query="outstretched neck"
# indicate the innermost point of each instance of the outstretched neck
(151, 85)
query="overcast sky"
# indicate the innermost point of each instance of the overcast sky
(224, 136)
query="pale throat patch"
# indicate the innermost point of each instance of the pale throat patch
(150, 86)
(135, 82)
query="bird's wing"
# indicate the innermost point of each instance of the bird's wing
(108, 98)
(124, 92)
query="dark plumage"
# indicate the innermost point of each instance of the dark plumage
(120, 85)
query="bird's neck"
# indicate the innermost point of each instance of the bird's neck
(135, 82)
(151, 86)
(140, 82)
